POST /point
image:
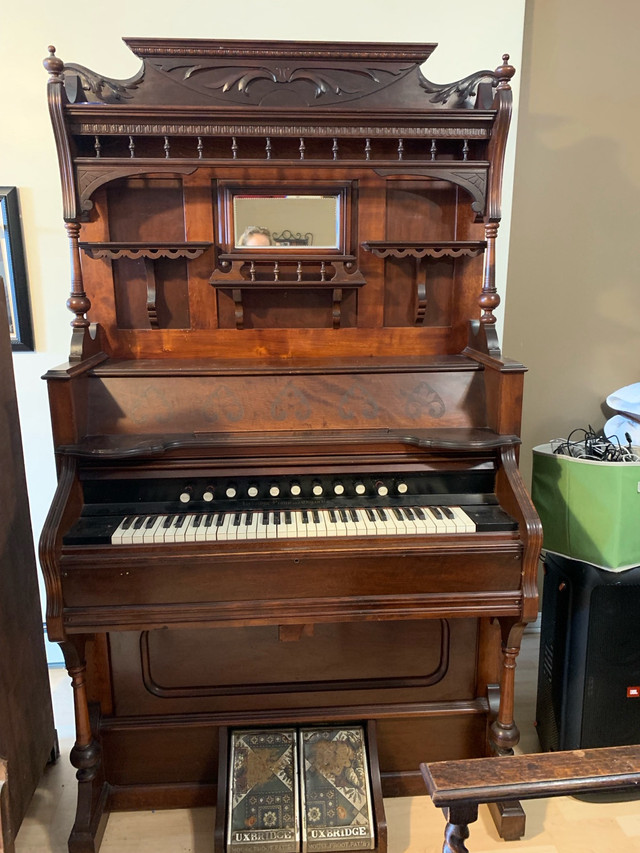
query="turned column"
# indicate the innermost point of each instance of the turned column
(504, 733)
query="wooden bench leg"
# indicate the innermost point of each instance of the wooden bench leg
(457, 829)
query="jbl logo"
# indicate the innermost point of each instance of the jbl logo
(633, 692)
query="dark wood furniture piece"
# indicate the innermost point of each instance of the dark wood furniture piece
(27, 735)
(458, 787)
(214, 383)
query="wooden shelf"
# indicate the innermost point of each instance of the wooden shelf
(433, 249)
(238, 272)
(419, 251)
(152, 251)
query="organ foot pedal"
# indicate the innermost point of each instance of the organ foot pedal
(300, 790)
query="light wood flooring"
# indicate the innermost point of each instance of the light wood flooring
(559, 825)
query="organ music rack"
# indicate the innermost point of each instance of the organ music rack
(201, 367)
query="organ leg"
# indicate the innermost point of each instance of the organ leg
(86, 757)
(504, 735)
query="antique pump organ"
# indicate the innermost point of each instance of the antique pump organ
(286, 437)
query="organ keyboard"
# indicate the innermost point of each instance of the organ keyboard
(308, 507)
(288, 492)
(289, 524)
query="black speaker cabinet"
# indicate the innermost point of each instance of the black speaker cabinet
(589, 672)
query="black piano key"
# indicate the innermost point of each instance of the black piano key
(236, 519)
(137, 524)
(436, 511)
(333, 518)
(381, 513)
(370, 514)
(168, 521)
(220, 519)
(354, 514)
(305, 516)
(197, 520)
(126, 522)
(448, 513)
(276, 516)
(397, 513)
(248, 518)
(287, 516)
(150, 522)
(179, 521)
(420, 512)
(343, 515)
(316, 516)
(208, 519)
(408, 513)
(265, 518)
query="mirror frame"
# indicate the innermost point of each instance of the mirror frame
(228, 190)
(16, 287)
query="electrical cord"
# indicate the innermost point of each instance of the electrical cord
(593, 446)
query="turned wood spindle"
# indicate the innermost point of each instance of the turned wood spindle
(78, 302)
(489, 298)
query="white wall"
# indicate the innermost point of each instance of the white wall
(573, 310)
(469, 37)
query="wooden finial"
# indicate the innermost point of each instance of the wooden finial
(504, 72)
(52, 64)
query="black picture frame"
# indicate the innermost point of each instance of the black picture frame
(13, 272)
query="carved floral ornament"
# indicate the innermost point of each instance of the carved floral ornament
(236, 81)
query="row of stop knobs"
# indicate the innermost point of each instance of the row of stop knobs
(295, 490)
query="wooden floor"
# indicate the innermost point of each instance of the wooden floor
(560, 825)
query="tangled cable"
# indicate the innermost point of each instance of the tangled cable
(594, 446)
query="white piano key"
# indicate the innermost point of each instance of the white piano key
(399, 521)
(334, 524)
(150, 533)
(424, 521)
(191, 533)
(371, 522)
(287, 528)
(386, 525)
(207, 530)
(271, 527)
(438, 519)
(131, 533)
(116, 536)
(358, 522)
(308, 528)
(234, 528)
(182, 528)
(467, 524)
(410, 520)
(171, 529)
(137, 530)
(317, 518)
(223, 532)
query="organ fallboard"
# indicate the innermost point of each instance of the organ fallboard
(286, 438)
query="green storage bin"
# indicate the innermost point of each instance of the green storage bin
(590, 510)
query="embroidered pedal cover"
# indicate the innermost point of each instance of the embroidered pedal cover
(335, 792)
(263, 792)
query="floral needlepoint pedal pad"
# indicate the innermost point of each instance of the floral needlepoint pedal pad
(263, 792)
(335, 790)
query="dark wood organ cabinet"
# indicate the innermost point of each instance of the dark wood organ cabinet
(286, 437)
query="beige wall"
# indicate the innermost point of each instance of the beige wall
(573, 303)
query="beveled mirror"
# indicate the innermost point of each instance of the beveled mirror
(279, 221)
